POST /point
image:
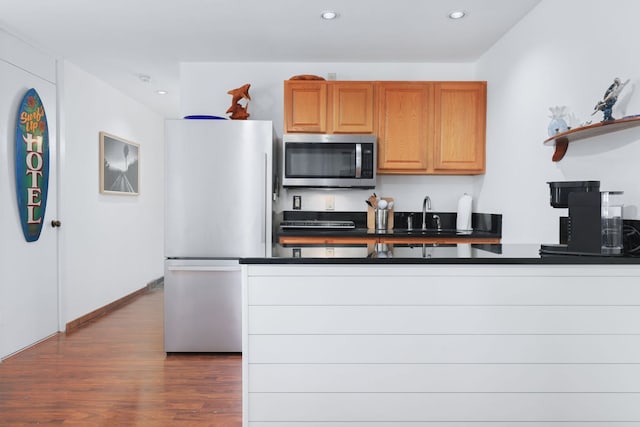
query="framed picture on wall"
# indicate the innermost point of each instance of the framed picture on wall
(119, 165)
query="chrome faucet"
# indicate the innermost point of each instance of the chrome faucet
(426, 205)
(438, 223)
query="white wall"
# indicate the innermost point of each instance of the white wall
(204, 89)
(111, 245)
(562, 53)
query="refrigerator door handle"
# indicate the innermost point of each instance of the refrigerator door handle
(265, 201)
(202, 268)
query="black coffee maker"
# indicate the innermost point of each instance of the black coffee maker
(591, 228)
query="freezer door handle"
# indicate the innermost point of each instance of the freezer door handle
(203, 268)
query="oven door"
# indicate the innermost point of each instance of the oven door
(310, 160)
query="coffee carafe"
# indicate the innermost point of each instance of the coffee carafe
(594, 224)
(611, 222)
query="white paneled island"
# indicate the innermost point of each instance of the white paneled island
(490, 340)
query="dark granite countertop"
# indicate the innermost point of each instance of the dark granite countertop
(427, 254)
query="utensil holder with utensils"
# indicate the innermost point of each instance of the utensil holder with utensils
(380, 220)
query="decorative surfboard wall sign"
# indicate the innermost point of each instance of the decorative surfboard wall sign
(32, 164)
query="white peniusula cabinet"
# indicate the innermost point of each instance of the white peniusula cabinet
(344, 345)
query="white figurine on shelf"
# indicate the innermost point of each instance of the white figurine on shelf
(557, 124)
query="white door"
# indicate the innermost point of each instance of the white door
(28, 271)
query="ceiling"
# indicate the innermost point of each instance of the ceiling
(120, 40)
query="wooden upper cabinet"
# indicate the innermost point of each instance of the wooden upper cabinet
(320, 106)
(305, 106)
(405, 121)
(431, 127)
(351, 104)
(460, 117)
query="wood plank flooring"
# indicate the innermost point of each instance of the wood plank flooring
(114, 372)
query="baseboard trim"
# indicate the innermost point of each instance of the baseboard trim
(8, 356)
(99, 312)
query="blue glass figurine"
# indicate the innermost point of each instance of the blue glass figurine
(609, 99)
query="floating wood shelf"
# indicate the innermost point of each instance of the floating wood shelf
(561, 140)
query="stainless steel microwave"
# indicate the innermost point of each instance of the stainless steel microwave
(329, 161)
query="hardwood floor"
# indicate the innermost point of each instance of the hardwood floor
(114, 372)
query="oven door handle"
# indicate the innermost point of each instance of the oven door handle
(358, 160)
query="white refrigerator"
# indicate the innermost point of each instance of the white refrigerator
(219, 190)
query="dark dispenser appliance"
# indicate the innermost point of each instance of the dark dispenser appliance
(594, 224)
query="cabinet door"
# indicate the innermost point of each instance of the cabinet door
(405, 121)
(351, 106)
(460, 116)
(305, 106)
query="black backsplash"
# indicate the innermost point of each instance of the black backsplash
(479, 221)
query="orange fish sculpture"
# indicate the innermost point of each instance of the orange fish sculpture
(238, 112)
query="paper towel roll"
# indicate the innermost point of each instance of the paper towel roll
(463, 220)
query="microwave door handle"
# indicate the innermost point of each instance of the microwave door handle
(358, 160)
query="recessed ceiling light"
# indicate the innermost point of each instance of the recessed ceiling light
(329, 15)
(161, 92)
(457, 14)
